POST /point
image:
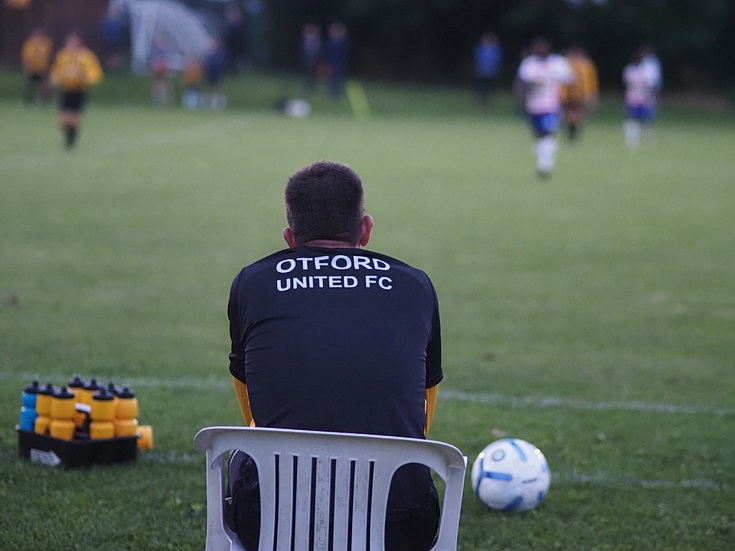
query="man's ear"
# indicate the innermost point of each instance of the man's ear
(367, 228)
(290, 238)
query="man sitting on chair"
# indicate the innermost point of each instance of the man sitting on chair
(329, 336)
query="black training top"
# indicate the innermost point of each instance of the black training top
(343, 340)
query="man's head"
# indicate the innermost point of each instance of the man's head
(73, 41)
(324, 203)
(541, 47)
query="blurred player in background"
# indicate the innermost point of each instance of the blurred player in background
(336, 56)
(36, 57)
(214, 71)
(192, 77)
(162, 87)
(581, 95)
(540, 78)
(650, 58)
(75, 69)
(310, 55)
(488, 55)
(641, 81)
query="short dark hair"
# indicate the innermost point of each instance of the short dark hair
(324, 200)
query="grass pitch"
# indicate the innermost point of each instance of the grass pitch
(592, 314)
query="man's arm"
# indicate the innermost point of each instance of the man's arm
(430, 395)
(241, 389)
(237, 357)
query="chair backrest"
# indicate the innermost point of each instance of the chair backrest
(306, 477)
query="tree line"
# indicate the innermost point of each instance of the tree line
(431, 41)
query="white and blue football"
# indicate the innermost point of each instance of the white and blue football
(511, 475)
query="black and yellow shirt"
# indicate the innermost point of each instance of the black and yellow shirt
(76, 69)
(36, 54)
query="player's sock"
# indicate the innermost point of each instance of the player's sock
(632, 131)
(545, 154)
(647, 132)
(572, 131)
(70, 135)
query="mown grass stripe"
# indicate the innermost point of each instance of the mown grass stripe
(557, 402)
(217, 383)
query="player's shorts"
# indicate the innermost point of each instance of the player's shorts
(574, 105)
(545, 124)
(72, 100)
(642, 113)
(36, 78)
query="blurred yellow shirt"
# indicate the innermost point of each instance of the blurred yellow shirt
(36, 54)
(76, 69)
(585, 86)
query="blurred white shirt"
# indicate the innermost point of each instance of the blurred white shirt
(641, 82)
(544, 79)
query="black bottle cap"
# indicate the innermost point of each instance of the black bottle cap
(47, 390)
(102, 395)
(92, 385)
(126, 392)
(76, 382)
(64, 394)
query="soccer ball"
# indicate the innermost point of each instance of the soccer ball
(510, 475)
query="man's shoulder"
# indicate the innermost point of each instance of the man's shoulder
(558, 61)
(264, 262)
(292, 259)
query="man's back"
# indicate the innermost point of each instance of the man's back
(344, 340)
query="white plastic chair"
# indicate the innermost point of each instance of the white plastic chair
(358, 466)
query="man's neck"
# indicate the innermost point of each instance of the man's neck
(329, 244)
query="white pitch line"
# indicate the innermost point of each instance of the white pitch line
(553, 402)
(607, 479)
(557, 478)
(153, 456)
(225, 383)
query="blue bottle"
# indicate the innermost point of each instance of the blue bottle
(28, 412)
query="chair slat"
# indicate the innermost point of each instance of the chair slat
(321, 513)
(341, 521)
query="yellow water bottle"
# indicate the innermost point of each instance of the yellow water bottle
(103, 415)
(126, 413)
(63, 407)
(76, 386)
(88, 390)
(114, 390)
(43, 408)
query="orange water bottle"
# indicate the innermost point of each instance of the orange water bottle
(126, 413)
(43, 408)
(63, 407)
(103, 415)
